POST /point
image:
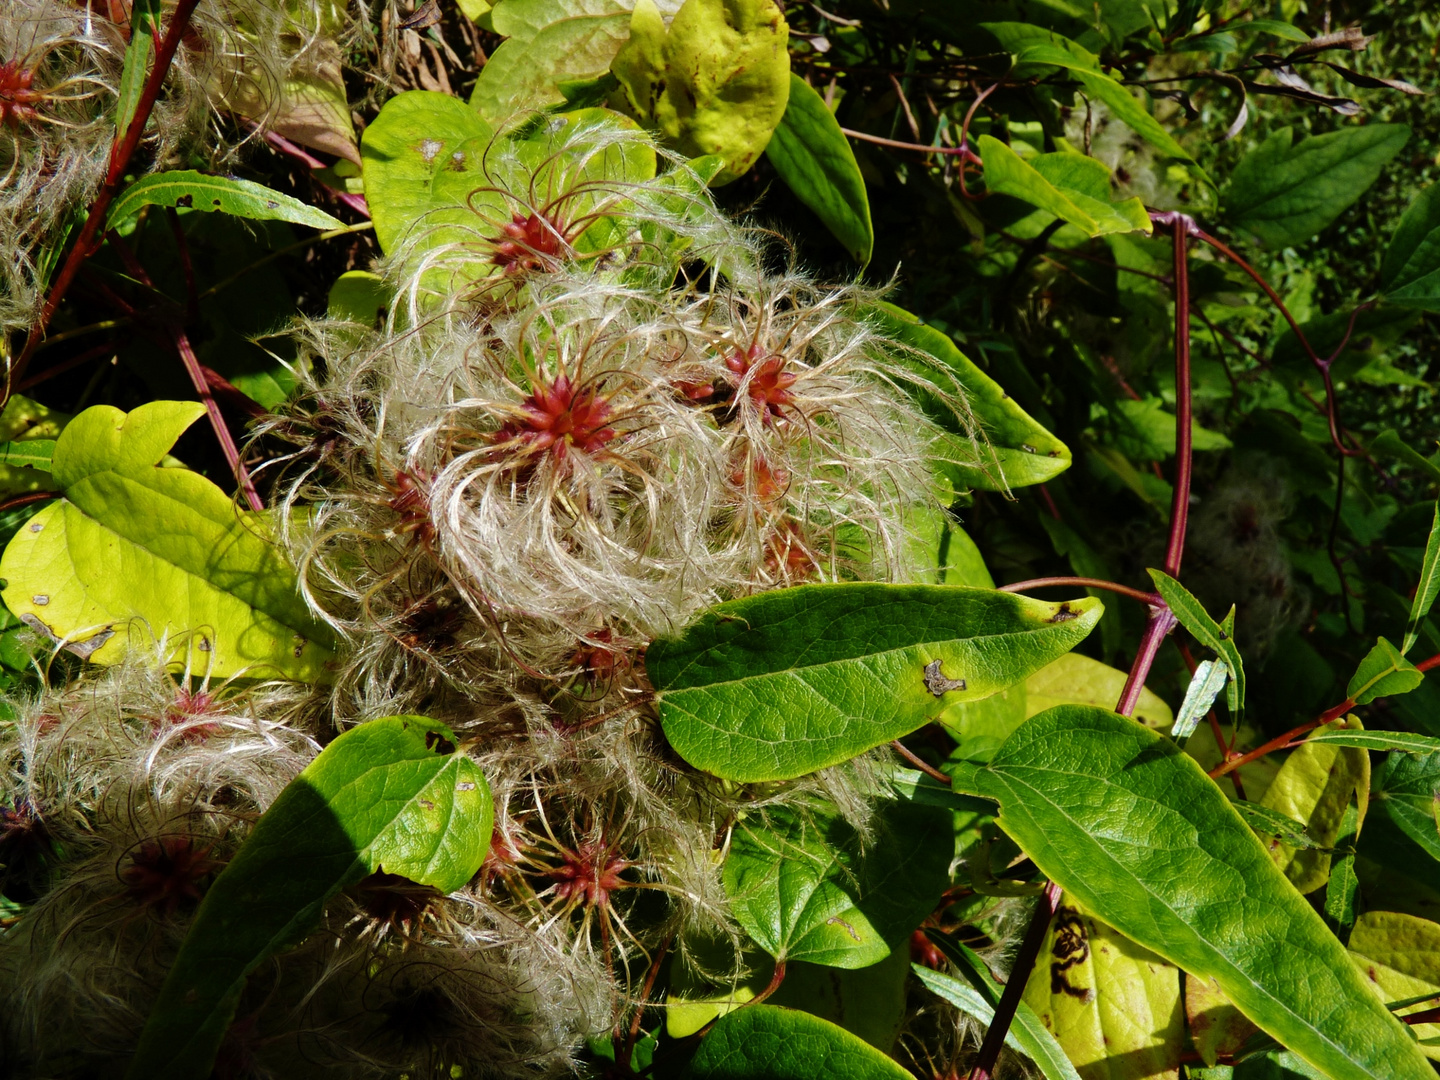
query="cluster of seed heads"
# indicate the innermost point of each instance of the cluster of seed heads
(497, 500)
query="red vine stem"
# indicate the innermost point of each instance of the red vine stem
(958, 151)
(1322, 365)
(1280, 742)
(121, 152)
(181, 340)
(1080, 583)
(1161, 620)
(1015, 986)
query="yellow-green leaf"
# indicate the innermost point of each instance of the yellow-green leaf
(136, 554)
(1314, 786)
(1078, 680)
(1400, 955)
(716, 82)
(1113, 1006)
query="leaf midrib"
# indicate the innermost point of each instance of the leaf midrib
(1042, 797)
(793, 669)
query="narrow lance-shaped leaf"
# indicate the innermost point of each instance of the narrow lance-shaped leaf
(1130, 825)
(191, 190)
(813, 156)
(136, 553)
(1342, 891)
(1026, 1033)
(1428, 586)
(144, 28)
(1205, 686)
(1219, 638)
(393, 795)
(1383, 673)
(764, 1042)
(28, 454)
(1274, 825)
(775, 686)
(1404, 741)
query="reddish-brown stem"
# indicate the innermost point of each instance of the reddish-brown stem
(121, 152)
(775, 980)
(1080, 583)
(1161, 621)
(634, 1033)
(957, 151)
(29, 497)
(192, 296)
(1180, 504)
(66, 365)
(181, 340)
(965, 137)
(1281, 741)
(920, 763)
(1425, 1016)
(1015, 983)
(1322, 365)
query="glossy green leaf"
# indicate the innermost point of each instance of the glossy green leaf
(775, 686)
(1007, 174)
(549, 43)
(136, 553)
(715, 81)
(765, 1042)
(1406, 795)
(1121, 818)
(1113, 1006)
(392, 795)
(1410, 274)
(1383, 673)
(139, 52)
(1219, 638)
(813, 156)
(802, 888)
(1427, 588)
(1316, 784)
(1036, 49)
(1282, 193)
(191, 190)
(1016, 452)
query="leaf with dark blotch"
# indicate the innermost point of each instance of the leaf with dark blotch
(393, 794)
(774, 686)
(1130, 825)
(1373, 82)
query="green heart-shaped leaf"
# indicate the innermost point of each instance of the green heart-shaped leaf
(136, 553)
(392, 795)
